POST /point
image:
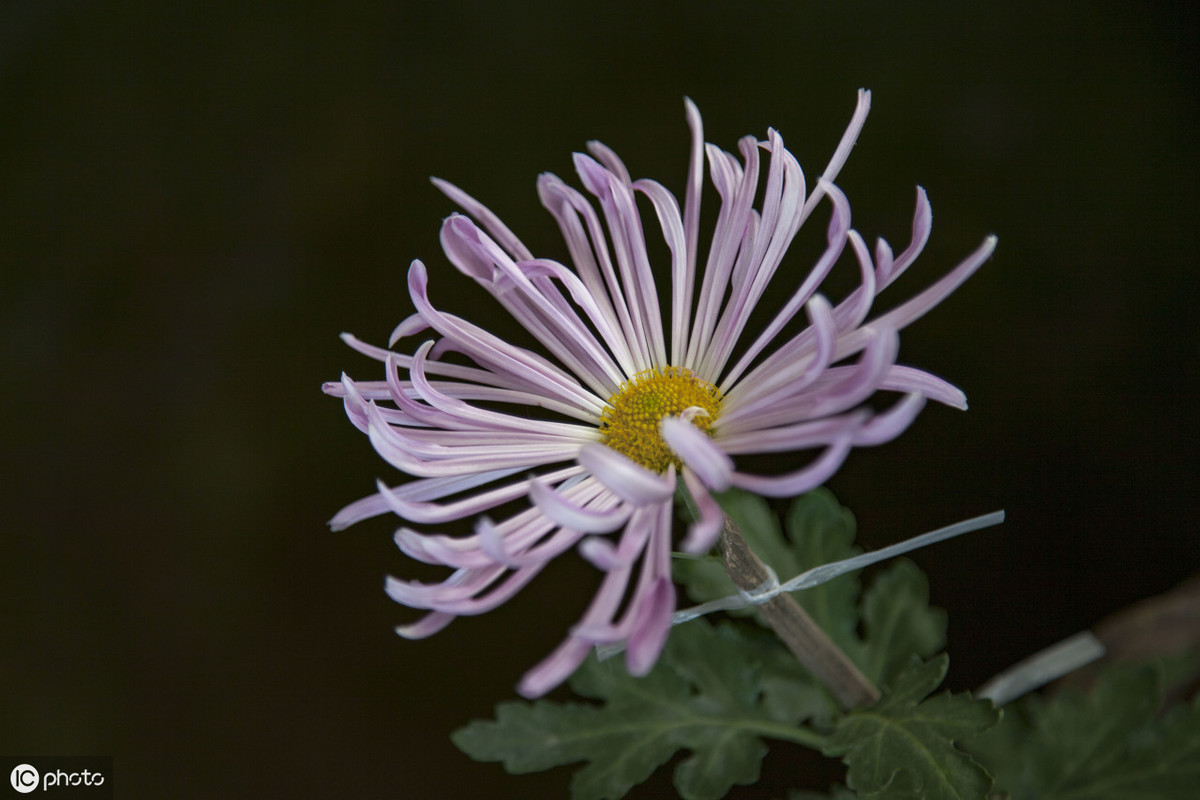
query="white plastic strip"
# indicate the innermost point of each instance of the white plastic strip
(827, 572)
(1042, 667)
(817, 575)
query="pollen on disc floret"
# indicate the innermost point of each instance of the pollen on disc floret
(630, 422)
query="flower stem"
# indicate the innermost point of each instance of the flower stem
(811, 646)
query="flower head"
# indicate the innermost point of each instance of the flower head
(632, 402)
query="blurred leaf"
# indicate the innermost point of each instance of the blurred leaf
(1109, 746)
(904, 745)
(702, 696)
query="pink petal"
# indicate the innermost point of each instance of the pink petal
(576, 515)
(702, 534)
(554, 669)
(631, 482)
(650, 631)
(699, 452)
(887, 426)
(428, 625)
(800, 481)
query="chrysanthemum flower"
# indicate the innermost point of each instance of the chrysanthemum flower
(634, 395)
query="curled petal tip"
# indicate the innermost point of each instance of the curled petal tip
(699, 452)
(426, 626)
(462, 225)
(593, 175)
(630, 481)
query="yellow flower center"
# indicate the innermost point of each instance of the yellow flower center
(630, 421)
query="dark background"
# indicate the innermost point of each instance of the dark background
(196, 199)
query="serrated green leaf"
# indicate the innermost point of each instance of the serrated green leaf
(724, 757)
(905, 748)
(607, 681)
(538, 736)
(793, 699)
(790, 693)
(760, 526)
(705, 579)
(714, 661)
(821, 532)
(898, 622)
(1108, 746)
(703, 696)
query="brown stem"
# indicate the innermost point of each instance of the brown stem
(1166, 624)
(812, 646)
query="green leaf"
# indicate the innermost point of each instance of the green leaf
(790, 693)
(898, 622)
(904, 745)
(1109, 746)
(704, 696)
(705, 579)
(822, 531)
(819, 531)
